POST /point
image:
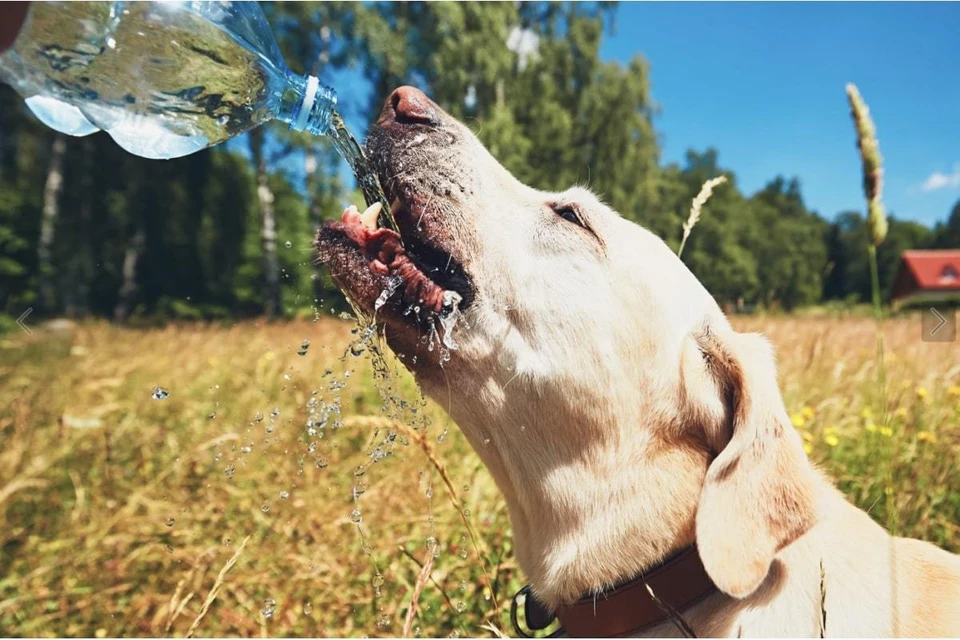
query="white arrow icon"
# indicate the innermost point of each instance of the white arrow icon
(940, 324)
(20, 321)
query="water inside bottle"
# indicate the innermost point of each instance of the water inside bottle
(149, 111)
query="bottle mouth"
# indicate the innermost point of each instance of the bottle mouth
(316, 109)
(309, 97)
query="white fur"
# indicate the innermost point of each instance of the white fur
(593, 378)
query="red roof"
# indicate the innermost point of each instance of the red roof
(934, 269)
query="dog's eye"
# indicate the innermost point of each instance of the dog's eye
(568, 213)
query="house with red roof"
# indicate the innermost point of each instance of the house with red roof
(928, 275)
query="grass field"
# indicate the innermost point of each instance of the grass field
(269, 495)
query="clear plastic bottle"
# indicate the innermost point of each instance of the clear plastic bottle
(164, 79)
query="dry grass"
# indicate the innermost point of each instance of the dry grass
(123, 515)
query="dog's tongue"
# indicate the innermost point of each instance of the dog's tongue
(384, 249)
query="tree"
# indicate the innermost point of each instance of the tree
(947, 234)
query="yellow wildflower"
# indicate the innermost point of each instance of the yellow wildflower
(871, 427)
(807, 436)
(808, 447)
(954, 390)
(886, 431)
(807, 413)
(888, 491)
(921, 392)
(901, 412)
(866, 414)
(831, 439)
(797, 420)
(926, 436)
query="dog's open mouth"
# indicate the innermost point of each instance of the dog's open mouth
(414, 277)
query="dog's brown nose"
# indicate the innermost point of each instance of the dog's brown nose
(408, 105)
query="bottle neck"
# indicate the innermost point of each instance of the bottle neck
(307, 105)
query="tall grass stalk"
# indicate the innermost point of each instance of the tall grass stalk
(872, 163)
(705, 192)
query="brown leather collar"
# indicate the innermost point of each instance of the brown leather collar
(676, 585)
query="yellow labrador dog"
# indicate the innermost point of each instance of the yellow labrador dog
(624, 420)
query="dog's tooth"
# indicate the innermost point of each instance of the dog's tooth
(369, 217)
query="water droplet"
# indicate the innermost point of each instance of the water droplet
(393, 283)
(307, 608)
(170, 522)
(246, 449)
(466, 513)
(211, 415)
(454, 634)
(359, 488)
(463, 554)
(169, 548)
(355, 516)
(229, 471)
(160, 394)
(265, 508)
(288, 244)
(258, 417)
(321, 463)
(269, 608)
(383, 621)
(302, 351)
(463, 585)
(461, 606)
(377, 580)
(284, 495)
(449, 314)
(111, 42)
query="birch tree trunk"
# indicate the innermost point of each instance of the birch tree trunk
(268, 230)
(48, 224)
(128, 289)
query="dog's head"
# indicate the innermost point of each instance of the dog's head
(593, 373)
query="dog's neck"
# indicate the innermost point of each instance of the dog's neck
(587, 512)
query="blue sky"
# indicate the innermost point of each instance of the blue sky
(764, 84)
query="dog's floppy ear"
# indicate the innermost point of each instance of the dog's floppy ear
(758, 495)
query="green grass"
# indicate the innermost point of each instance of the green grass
(118, 512)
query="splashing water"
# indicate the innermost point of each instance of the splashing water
(393, 283)
(347, 146)
(448, 318)
(269, 608)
